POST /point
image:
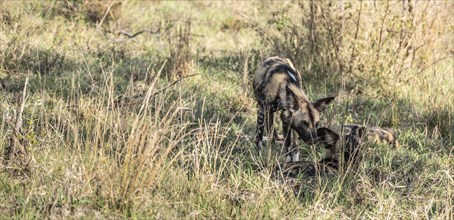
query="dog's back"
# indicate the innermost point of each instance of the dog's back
(270, 76)
(376, 134)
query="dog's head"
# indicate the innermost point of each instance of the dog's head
(304, 116)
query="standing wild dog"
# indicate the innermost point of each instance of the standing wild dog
(277, 87)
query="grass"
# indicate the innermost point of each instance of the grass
(161, 125)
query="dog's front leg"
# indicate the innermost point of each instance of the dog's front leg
(294, 151)
(287, 137)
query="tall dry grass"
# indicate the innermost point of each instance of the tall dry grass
(113, 127)
(379, 40)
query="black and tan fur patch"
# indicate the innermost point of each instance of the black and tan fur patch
(377, 134)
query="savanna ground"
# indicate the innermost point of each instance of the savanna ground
(99, 124)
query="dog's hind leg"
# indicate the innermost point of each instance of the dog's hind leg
(260, 128)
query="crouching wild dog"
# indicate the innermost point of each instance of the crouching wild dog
(277, 87)
(348, 145)
(333, 144)
(351, 141)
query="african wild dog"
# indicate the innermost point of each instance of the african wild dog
(333, 143)
(349, 145)
(351, 140)
(277, 87)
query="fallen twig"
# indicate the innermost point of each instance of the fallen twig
(138, 33)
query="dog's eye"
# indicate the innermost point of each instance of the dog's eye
(316, 124)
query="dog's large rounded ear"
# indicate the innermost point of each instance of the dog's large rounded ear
(362, 131)
(322, 104)
(358, 130)
(327, 136)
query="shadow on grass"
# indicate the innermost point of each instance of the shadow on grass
(54, 72)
